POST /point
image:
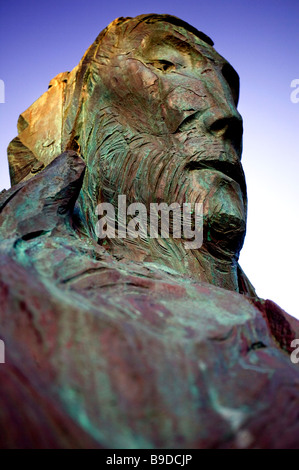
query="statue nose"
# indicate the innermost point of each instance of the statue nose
(225, 122)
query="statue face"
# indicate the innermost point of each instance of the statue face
(177, 98)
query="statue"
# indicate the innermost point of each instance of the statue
(137, 342)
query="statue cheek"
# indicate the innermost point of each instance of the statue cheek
(181, 103)
(135, 89)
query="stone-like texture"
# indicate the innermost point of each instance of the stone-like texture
(40, 132)
(135, 355)
(126, 344)
(151, 108)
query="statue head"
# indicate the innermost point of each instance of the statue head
(152, 108)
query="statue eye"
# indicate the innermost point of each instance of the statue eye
(163, 65)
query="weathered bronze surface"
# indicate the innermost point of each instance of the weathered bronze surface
(125, 342)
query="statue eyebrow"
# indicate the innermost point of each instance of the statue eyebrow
(184, 46)
(178, 43)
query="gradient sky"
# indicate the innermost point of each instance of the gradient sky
(40, 39)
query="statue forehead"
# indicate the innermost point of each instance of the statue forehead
(161, 39)
(141, 36)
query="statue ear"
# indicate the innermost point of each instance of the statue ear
(39, 138)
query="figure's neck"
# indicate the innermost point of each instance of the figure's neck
(197, 264)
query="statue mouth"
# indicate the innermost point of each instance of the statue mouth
(233, 171)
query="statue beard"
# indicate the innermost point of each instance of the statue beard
(149, 169)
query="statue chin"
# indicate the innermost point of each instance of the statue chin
(224, 235)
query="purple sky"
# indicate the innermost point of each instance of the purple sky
(40, 39)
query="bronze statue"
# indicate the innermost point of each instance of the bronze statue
(137, 341)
